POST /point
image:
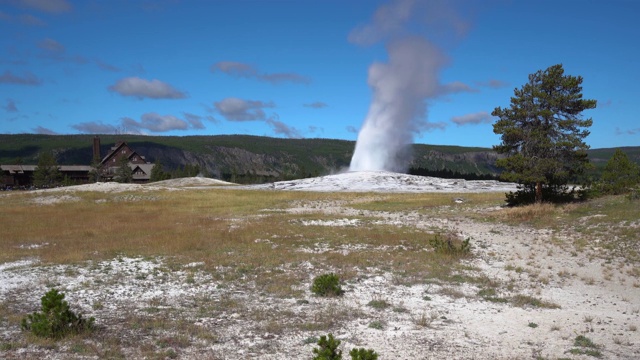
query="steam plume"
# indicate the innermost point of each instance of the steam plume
(401, 86)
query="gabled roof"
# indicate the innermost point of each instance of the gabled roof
(118, 147)
(114, 150)
(146, 168)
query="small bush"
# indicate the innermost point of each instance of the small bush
(327, 349)
(586, 347)
(376, 324)
(55, 320)
(379, 304)
(363, 354)
(327, 285)
(449, 245)
(584, 341)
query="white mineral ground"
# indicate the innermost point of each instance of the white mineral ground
(598, 295)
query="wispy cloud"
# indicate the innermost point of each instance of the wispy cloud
(95, 127)
(281, 128)
(492, 83)
(430, 126)
(51, 46)
(25, 19)
(44, 131)
(10, 106)
(481, 117)
(108, 67)
(155, 122)
(196, 120)
(389, 21)
(243, 70)
(456, 87)
(28, 19)
(316, 105)
(352, 129)
(605, 103)
(315, 129)
(53, 50)
(47, 6)
(235, 109)
(141, 89)
(627, 132)
(28, 79)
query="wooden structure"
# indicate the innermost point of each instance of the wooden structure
(109, 165)
(15, 176)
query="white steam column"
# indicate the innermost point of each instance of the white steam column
(398, 108)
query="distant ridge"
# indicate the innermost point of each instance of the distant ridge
(255, 159)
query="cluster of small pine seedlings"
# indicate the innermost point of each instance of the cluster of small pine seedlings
(447, 245)
(328, 350)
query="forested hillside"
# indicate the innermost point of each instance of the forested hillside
(246, 158)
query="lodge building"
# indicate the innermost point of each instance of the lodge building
(22, 175)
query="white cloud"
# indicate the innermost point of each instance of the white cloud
(235, 109)
(481, 117)
(155, 122)
(141, 88)
(93, 127)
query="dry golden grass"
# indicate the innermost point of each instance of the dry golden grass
(528, 213)
(231, 229)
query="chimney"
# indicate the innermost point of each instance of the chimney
(96, 149)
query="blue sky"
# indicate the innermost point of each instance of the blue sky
(300, 68)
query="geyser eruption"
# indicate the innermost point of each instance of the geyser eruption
(403, 84)
(398, 108)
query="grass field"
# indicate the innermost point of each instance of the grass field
(225, 274)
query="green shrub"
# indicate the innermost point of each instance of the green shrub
(55, 320)
(586, 347)
(379, 304)
(363, 354)
(327, 285)
(376, 324)
(449, 245)
(327, 349)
